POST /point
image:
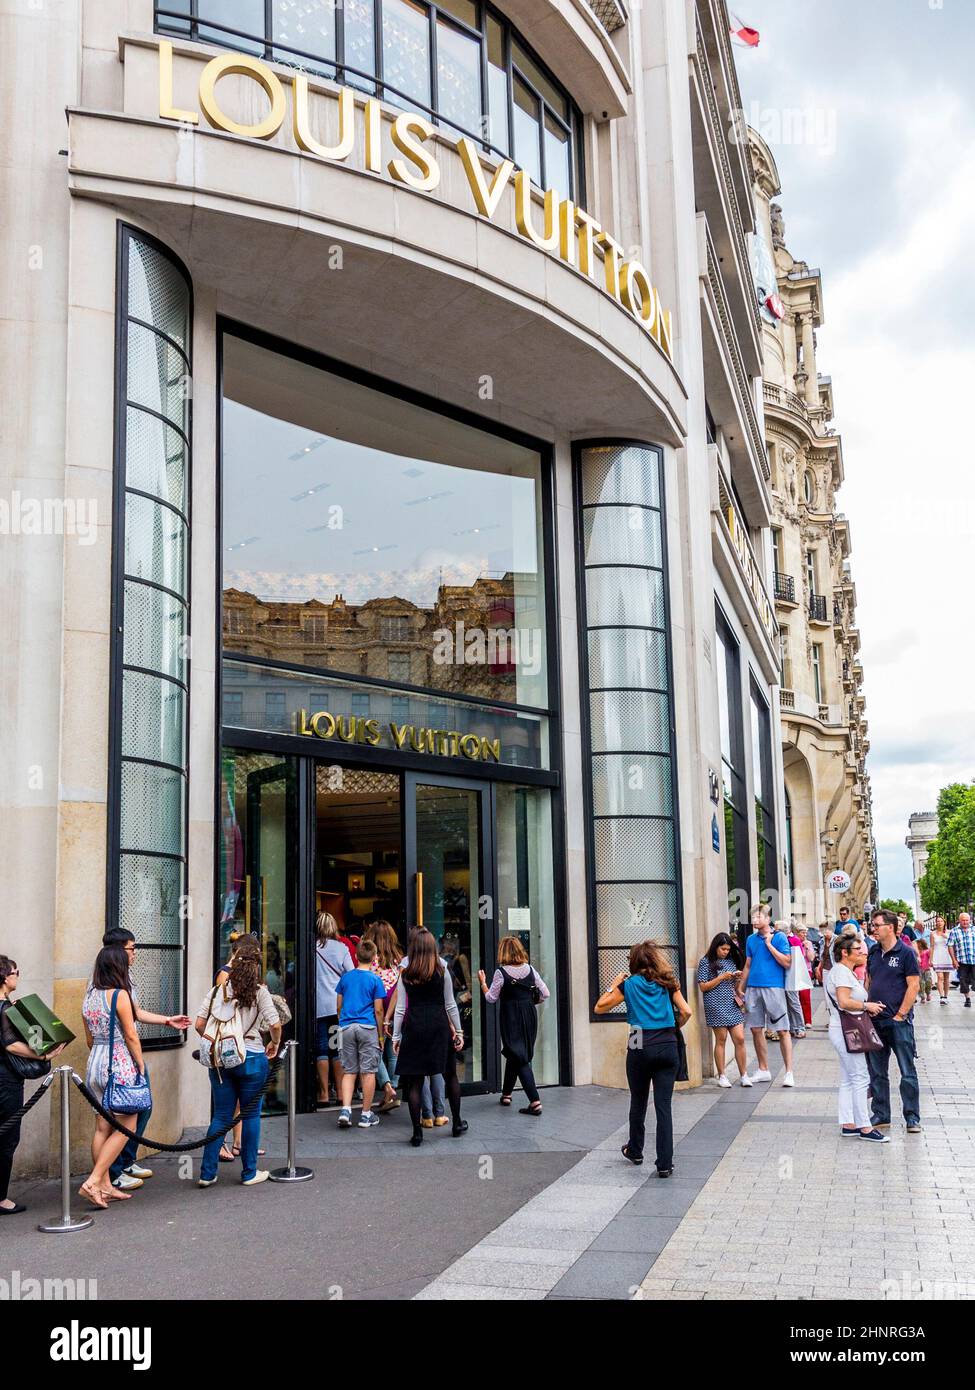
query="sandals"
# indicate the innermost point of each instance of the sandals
(625, 1151)
(113, 1194)
(505, 1100)
(227, 1154)
(534, 1109)
(94, 1195)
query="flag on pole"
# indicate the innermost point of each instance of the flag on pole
(748, 38)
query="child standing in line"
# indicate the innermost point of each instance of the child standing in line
(361, 1002)
(923, 951)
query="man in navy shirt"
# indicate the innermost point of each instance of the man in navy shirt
(893, 979)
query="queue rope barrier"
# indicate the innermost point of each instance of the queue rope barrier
(158, 1146)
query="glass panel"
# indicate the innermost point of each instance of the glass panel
(464, 10)
(459, 78)
(152, 808)
(180, 26)
(626, 474)
(624, 535)
(624, 658)
(357, 848)
(155, 458)
(627, 848)
(333, 711)
(241, 16)
(448, 842)
(157, 975)
(528, 132)
(632, 912)
(526, 904)
(155, 543)
(619, 596)
(158, 292)
(539, 81)
(149, 898)
(497, 86)
(152, 718)
(406, 52)
(360, 42)
(306, 25)
(391, 524)
(155, 624)
(629, 720)
(258, 874)
(158, 376)
(631, 784)
(558, 161)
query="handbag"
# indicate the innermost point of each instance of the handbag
(120, 1097)
(682, 1072)
(24, 1068)
(859, 1033)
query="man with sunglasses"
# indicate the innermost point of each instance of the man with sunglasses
(126, 1172)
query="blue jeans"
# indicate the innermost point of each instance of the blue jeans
(899, 1039)
(238, 1086)
(386, 1071)
(130, 1153)
(434, 1092)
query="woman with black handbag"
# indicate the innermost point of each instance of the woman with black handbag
(18, 1064)
(518, 989)
(846, 999)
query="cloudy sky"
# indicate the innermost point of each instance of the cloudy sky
(869, 108)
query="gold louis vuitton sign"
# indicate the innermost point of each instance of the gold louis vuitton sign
(567, 231)
(447, 743)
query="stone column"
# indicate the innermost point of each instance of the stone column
(809, 360)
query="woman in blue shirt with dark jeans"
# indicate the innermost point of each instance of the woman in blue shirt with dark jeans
(655, 1009)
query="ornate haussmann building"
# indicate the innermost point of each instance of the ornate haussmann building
(824, 726)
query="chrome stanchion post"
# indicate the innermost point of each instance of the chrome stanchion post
(67, 1222)
(291, 1173)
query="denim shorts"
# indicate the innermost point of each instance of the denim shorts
(327, 1037)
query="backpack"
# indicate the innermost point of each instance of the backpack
(222, 1041)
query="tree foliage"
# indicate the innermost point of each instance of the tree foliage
(897, 905)
(948, 883)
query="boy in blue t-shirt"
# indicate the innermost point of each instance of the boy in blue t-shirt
(768, 956)
(360, 997)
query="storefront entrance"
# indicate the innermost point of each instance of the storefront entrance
(468, 858)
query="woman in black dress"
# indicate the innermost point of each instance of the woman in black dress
(427, 1033)
(518, 989)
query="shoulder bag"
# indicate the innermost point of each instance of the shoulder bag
(24, 1068)
(859, 1033)
(119, 1097)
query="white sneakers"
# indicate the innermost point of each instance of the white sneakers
(746, 1080)
(260, 1176)
(127, 1181)
(788, 1079)
(723, 1082)
(761, 1076)
(136, 1170)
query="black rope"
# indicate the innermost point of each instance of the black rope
(18, 1115)
(158, 1145)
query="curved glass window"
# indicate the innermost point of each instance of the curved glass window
(459, 61)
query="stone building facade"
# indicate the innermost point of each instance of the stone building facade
(824, 726)
(922, 828)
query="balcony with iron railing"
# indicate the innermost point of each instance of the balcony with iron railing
(785, 587)
(817, 608)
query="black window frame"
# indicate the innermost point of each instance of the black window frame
(735, 806)
(186, 23)
(765, 826)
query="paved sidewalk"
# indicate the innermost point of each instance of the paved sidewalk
(790, 1202)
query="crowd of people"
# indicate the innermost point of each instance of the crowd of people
(388, 1022)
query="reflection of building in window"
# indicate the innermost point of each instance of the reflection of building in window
(233, 706)
(274, 708)
(473, 641)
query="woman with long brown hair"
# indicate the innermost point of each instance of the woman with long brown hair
(427, 1032)
(110, 992)
(518, 989)
(241, 1086)
(386, 966)
(655, 1009)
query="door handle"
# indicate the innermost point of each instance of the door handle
(418, 878)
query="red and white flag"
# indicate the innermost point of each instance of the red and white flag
(742, 34)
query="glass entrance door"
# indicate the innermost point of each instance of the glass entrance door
(449, 857)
